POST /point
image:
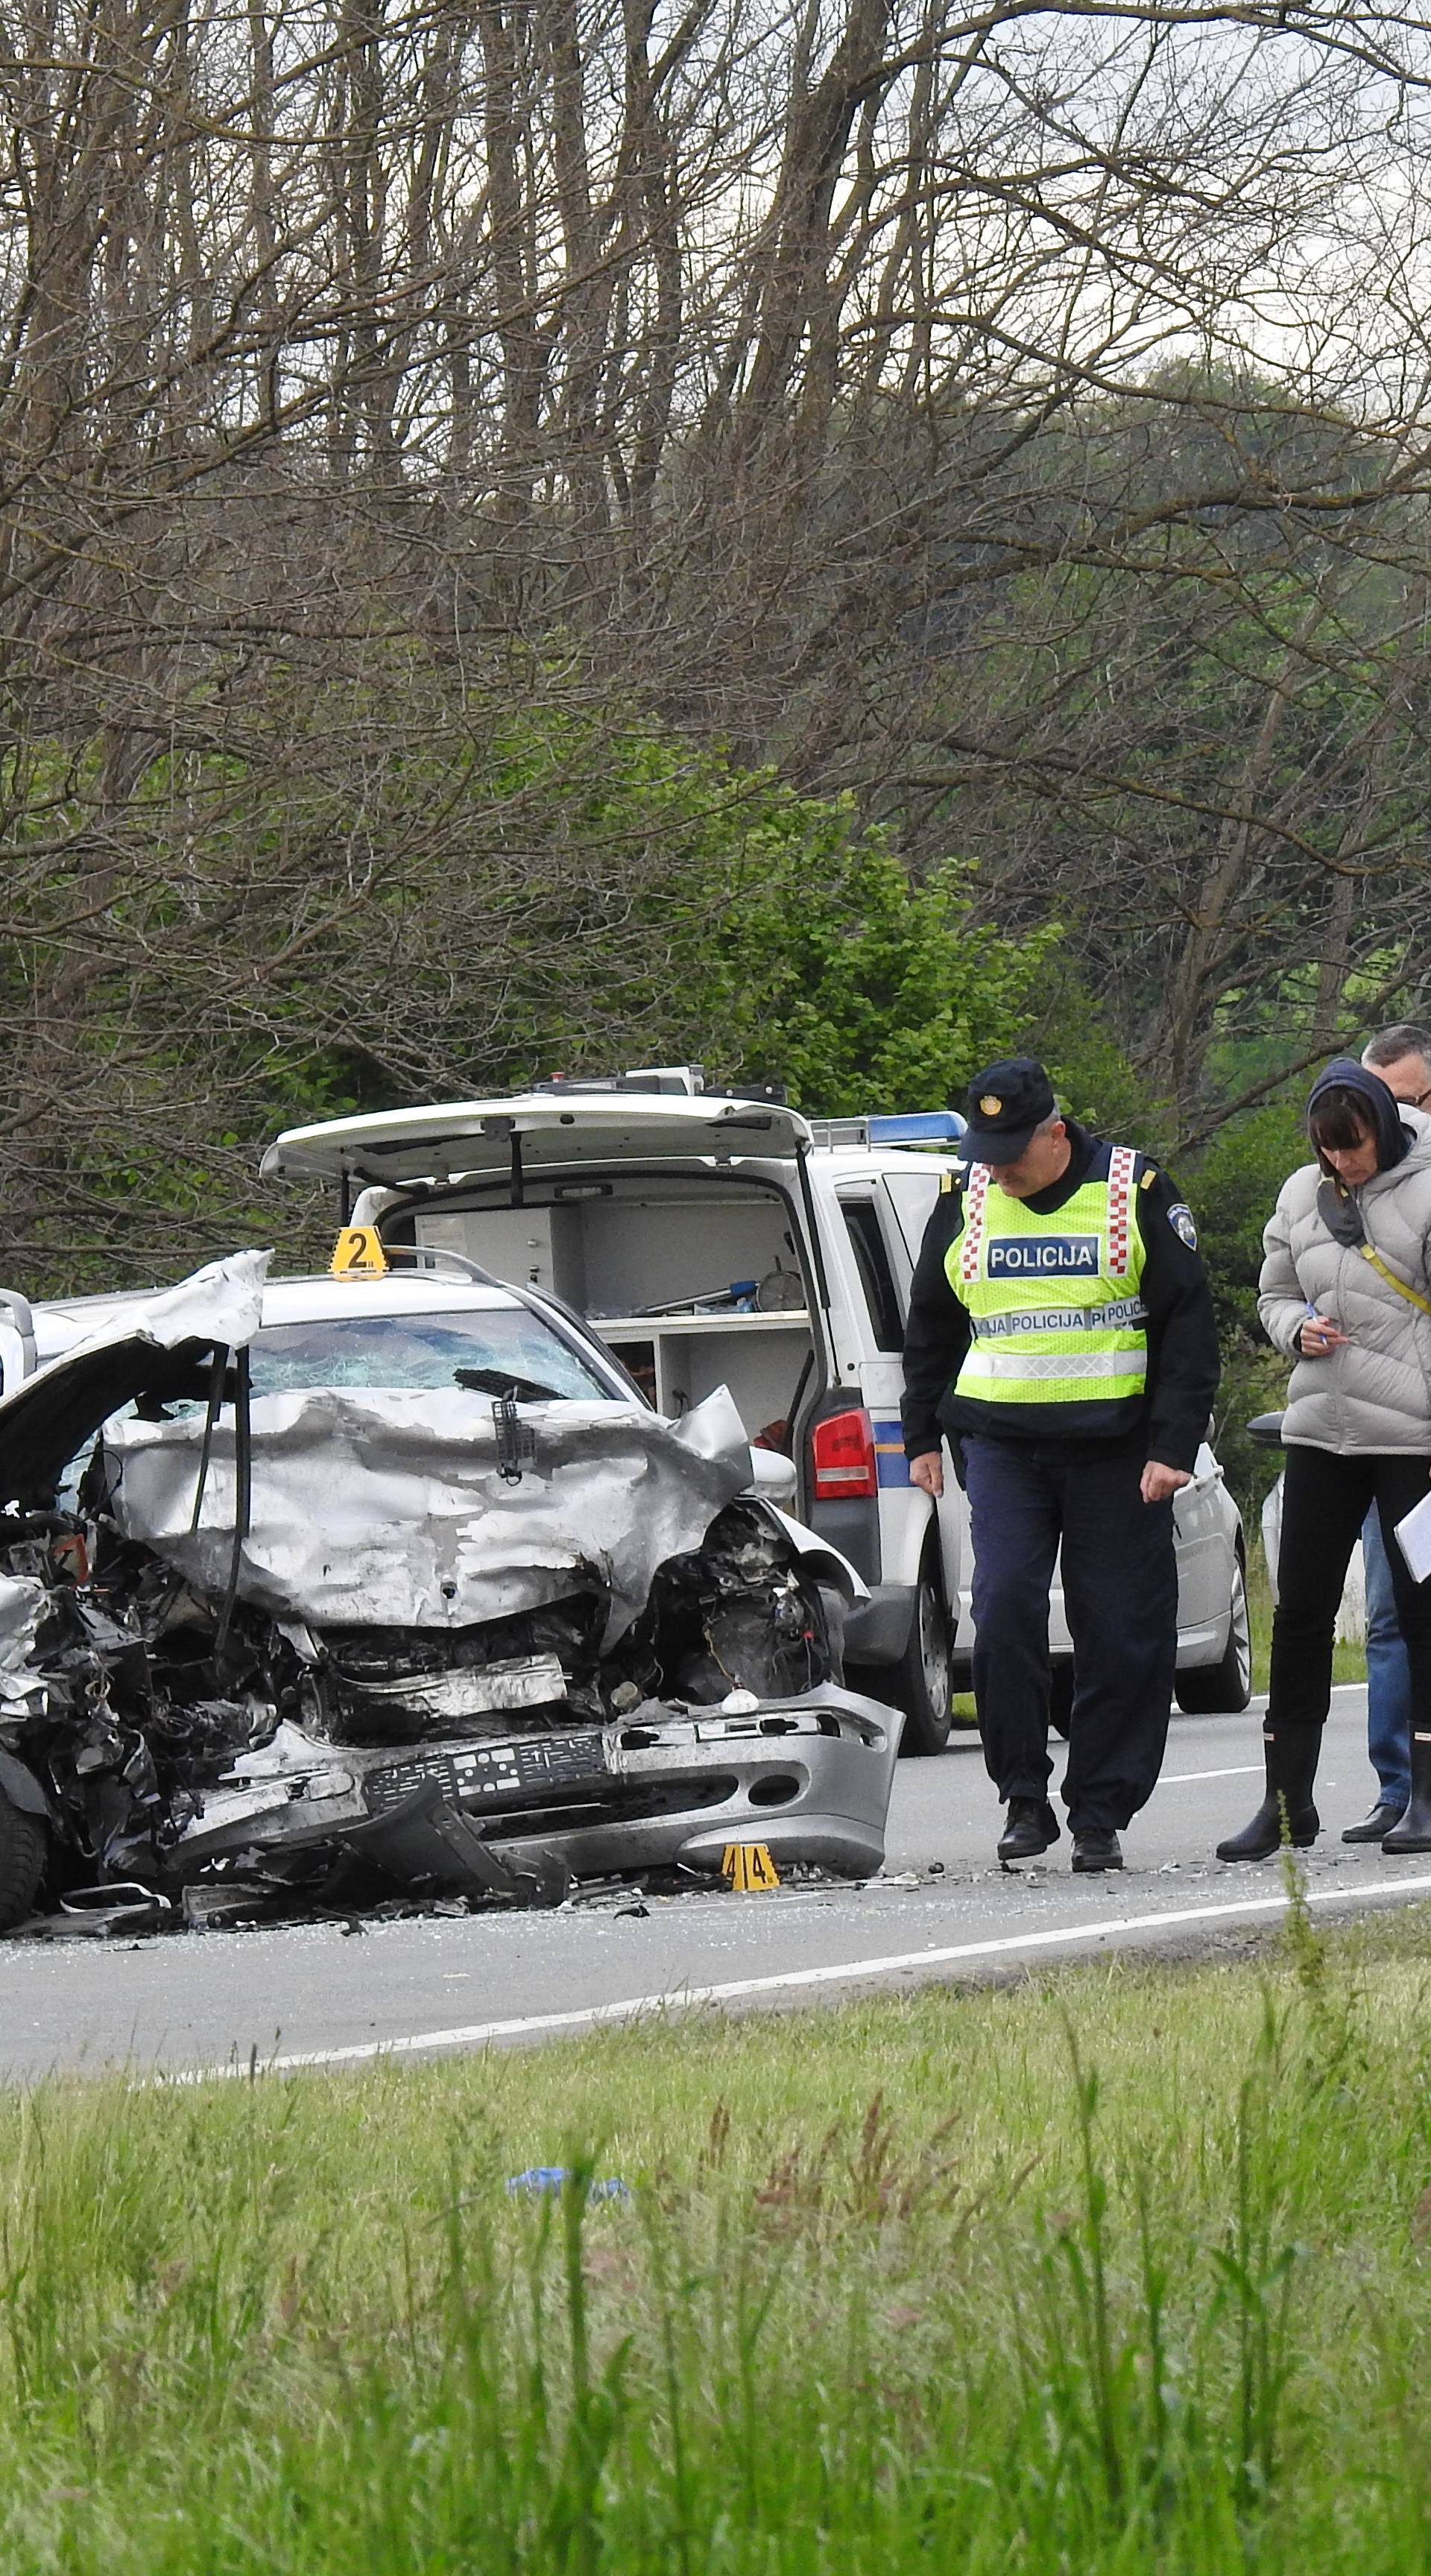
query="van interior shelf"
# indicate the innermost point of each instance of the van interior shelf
(677, 1359)
(668, 1272)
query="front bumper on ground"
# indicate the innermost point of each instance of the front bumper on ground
(669, 1786)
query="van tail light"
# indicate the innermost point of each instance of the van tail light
(842, 1448)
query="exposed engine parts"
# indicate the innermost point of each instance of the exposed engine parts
(167, 1753)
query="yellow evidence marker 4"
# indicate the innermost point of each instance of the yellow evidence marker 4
(749, 1868)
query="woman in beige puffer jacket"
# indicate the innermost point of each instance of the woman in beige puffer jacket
(1346, 1291)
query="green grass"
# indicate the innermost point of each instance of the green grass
(1123, 2270)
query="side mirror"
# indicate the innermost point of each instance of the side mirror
(1266, 1430)
(771, 1474)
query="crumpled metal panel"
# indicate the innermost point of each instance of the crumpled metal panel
(223, 1302)
(522, 1681)
(389, 1508)
(47, 1418)
(23, 1603)
(698, 1781)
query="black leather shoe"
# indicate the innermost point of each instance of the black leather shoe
(1096, 1847)
(1031, 1827)
(1375, 1827)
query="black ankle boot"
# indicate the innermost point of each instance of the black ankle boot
(1291, 1756)
(1413, 1832)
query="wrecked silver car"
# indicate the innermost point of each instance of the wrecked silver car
(402, 1587)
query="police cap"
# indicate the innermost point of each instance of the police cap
(1007, 1101)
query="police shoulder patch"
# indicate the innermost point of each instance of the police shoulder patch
(1180, 1218)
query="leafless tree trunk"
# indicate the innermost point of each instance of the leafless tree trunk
(1019, 421)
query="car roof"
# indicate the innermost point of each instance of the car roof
(312, 1300)
(319, 1292)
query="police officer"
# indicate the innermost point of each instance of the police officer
(1061, 1335)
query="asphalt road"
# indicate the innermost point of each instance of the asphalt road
(315, 1995)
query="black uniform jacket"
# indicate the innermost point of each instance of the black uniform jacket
(1182, 1333)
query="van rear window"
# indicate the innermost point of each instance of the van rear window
(876, 1277)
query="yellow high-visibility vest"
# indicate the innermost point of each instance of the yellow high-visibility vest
(1054, 1301)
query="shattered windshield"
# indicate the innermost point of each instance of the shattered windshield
(485, 1352)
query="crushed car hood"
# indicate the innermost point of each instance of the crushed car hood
(419, 1510)
(45, 1420)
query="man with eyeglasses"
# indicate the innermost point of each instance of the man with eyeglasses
(1402, 1057)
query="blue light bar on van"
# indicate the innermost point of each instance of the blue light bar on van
(919, 1127)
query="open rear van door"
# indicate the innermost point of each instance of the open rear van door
(529, 1132)
(680, 1226)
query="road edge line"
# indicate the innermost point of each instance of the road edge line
(680, 1999)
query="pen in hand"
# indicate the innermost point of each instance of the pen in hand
(1327, 1338)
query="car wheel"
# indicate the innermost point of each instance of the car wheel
(1209, 1690)
(923, 1681)
(24, 1850)
(1060, 1697)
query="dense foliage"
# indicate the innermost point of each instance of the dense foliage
(541, 536)
(441, 899)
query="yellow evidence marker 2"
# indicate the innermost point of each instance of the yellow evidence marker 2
(749, 1868)
(358, 1253)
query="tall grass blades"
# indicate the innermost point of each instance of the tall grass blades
(1120, 2274)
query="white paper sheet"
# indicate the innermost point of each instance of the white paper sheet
(1413, 1537)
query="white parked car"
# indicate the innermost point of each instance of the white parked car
(718, 1241)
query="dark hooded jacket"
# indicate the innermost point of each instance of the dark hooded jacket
(1383, 1109)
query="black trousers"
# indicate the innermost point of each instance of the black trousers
(1120, 1594)
(1325, 1499)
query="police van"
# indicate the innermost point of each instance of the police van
(716, 1240)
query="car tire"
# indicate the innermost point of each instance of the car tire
(922, 1682)
(24, 1851)
(1223, 1688)
(1060, 1696)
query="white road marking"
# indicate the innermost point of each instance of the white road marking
(686, 1998)
(1239, 1771)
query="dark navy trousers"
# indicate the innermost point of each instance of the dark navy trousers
(1120, 1592)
